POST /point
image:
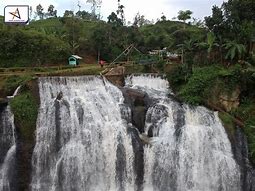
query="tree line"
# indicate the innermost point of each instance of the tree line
(225, 37)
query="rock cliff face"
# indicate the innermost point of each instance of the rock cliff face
(240, 150)
(138, 101)
(230, 101)
(116, 76)
(227, 99)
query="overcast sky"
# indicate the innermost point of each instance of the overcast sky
(152, 9)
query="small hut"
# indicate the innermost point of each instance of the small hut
(74, 60)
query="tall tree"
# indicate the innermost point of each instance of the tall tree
(163, 17)
(120, 12)
(187, 49)
(94, 5)
(184, 15)
(39, 11)
(233, 21)
(51, 12)
(140, 20)
(113, 19)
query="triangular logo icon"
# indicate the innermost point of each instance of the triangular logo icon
(15, 14)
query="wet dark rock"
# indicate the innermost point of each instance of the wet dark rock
(121, 170)
(139, 155)
(241, 156)
(155, 117)
(3, 103)
(138, 101)
(59, 96)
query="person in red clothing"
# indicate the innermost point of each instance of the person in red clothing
(102, 62)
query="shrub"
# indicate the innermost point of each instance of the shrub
(199, 85)
(177, 77)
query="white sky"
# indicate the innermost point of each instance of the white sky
(152, 9)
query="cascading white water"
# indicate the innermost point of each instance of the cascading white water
(82, 141)
(7, 148)
(152, 84)
(190, 150)
(81, 138)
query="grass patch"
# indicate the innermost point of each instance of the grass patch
(12, 82)
(25, 110)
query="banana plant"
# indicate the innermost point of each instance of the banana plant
(234, 50)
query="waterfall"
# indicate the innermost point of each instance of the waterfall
(189, 149)
(15, 92)
(7, 149)
(85, 139)
(82, 141)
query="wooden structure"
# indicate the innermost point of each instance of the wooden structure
(126, 52)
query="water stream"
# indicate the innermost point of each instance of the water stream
(7, 149)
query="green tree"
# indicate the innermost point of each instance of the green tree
(120, 12)
(233, 21)
(114, 20)
(211, 41)
(51, 12)
(184, 15)
(215, 23)
(209, 47)
(94, 5)
(140, 20)
(187, 49)
(39, 11)
(163, 18)
(86, 15)
(68, 13)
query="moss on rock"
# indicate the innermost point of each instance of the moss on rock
(25, 110)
